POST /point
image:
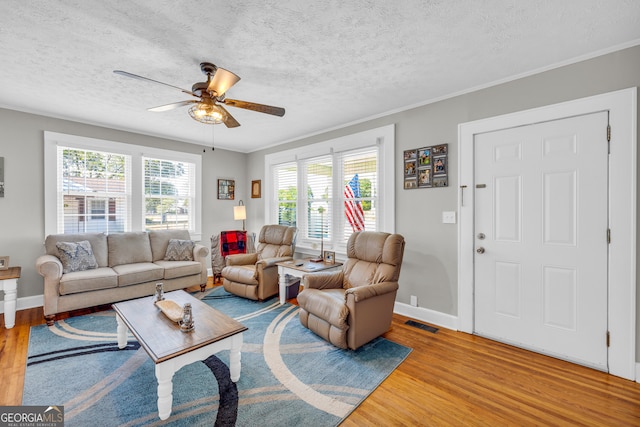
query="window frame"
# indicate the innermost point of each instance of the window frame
(383, 138)
(137, 152)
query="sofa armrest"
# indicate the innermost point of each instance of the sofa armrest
(49, 267)
(330, 280)
(241, 259)
(200, 253)
(362, 293)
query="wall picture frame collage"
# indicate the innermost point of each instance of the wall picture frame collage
(426, 167)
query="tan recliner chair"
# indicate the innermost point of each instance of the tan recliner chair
(351, 307)
(255, 276)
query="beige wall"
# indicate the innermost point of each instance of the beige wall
(22, 208)
(430, 263)
(430, 266)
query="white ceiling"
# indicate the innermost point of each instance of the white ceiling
(329, 63)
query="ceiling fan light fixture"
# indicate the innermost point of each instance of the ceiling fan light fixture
(208, 113)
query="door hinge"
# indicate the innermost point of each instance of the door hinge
(608, 235)
(608, 139)
(608, 339)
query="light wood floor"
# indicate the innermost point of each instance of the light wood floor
(450, 378)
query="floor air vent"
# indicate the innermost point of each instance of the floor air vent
(421, 326)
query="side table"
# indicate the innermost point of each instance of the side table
(9, 284)
(298, 268)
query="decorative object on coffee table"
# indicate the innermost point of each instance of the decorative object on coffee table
(321, 257)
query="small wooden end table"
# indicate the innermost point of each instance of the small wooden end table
(9, 284)
(169, 347)
(298, 268)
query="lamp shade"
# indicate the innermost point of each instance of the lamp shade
(239, 212)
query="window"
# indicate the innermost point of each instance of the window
(331, 189)
(168, 194)
(103, 186)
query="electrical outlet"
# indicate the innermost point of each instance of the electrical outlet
(414, 300)
(449, 217)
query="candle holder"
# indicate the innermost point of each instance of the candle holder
(187, 324)
(159, 295)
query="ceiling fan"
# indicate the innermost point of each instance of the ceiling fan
(211, 94)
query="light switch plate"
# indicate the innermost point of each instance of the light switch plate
(449, 217)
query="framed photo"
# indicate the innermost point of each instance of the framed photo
(410, 183)
(409, 155)
(439, 149)
(410, 168)
(424, 177)
(329, 257)
(424, 156)
(4, 262)
(226, 189)
(439, 165)
(256, 189)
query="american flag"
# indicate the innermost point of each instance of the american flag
(352, 205)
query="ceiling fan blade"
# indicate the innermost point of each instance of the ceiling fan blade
(135, 76)
(229, 120)
(221, 81)
(261, 108)
(171, 106)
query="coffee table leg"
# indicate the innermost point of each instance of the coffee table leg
(282, 284)
(122, 332)
(164, 375)
(235, 356)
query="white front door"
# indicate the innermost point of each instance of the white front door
(541, 220)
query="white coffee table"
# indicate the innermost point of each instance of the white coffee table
(169, 347)
(298, 268)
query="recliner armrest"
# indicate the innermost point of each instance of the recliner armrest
(362, 293)
(270, 262)
(330, 280)
(241, 259)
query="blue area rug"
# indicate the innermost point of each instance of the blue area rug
(289, 375)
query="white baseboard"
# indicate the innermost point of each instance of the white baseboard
(637, 372)
(26, 302)
(425, 315)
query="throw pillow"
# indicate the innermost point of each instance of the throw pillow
(179, 250)
(76, 256)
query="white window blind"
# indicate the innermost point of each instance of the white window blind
(330, 189)
(93, 191)
(359, 192)
(285, 178)
(169, 194)
(94, 185)
(318, 199)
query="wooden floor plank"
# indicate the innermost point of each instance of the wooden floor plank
(449, 378)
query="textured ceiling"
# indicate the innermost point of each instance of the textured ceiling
(328, 63)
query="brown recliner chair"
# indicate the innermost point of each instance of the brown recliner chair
(255, 276)
(351, 307)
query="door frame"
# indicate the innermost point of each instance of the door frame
(622, 108)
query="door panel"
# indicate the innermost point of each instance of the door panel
(541, 281)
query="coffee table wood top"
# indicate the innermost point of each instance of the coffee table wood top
(308, 266)
(161, 338)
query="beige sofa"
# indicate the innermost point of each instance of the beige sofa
(127, 265)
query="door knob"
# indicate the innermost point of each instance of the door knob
(480, 250)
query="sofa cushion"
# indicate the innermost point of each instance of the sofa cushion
(128, 248)
(140, 272)
(88, 280)
(98, 245)
(76, 256)
(160, 240)
(174, 269)
(179, 250)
